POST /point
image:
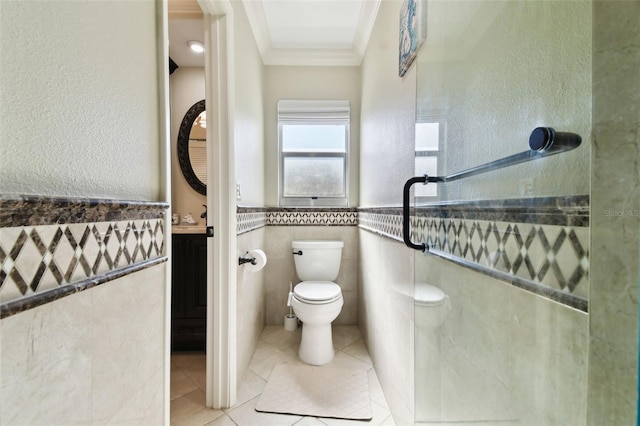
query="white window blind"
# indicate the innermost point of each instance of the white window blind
(316, 111)
(314, 146)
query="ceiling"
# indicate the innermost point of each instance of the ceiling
(287, 32)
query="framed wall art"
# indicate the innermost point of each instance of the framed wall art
(413, 31)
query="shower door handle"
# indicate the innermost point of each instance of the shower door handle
(406, 221)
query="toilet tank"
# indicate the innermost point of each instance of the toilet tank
(317, 260)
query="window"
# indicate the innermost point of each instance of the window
(428, 136)
(314, 152)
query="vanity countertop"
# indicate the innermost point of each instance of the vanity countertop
(188, 229)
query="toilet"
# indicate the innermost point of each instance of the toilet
(317, 300)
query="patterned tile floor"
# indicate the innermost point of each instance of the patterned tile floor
(276, 346)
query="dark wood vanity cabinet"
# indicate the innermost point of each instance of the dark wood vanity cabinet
(189, 292)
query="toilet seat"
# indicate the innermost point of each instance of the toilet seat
(317, 292)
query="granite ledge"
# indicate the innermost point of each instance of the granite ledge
(39, 210)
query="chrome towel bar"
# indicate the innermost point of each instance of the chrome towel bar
(543, 142)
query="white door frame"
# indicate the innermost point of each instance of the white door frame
(221, 204)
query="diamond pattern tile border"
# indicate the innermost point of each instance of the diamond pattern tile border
(541, 245)
(34, 259)
(555, 257)
(250, 221)
(52, 247)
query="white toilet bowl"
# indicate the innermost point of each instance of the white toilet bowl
(317, 304)
(317, 300)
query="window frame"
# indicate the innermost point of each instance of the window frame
(310, 117)
(430, 153)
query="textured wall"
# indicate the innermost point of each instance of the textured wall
(492, 72)
(615, 215)
(385, 293)
(79, 111)
(249, 116)
(282, 82)
(388, 115)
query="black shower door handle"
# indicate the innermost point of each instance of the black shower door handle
(406, 221)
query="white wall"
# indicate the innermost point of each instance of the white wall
(388, 115)
(249, 166)
(386, 161)
(186, 87)
(282, 82)
(249, 116)
(79, 100)
(494, 71)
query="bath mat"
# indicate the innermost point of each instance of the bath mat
(324, 391)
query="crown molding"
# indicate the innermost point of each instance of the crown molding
(311, 57)
(366, 21)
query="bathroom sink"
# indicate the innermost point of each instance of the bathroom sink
(188, 229)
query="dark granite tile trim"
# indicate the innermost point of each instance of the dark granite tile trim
(34, 210)
(563, 211)
(16, 306)
(540, 290)
(240, 209)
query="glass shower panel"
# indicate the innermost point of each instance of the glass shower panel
(501, 295)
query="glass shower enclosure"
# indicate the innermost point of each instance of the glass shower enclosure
(502, 287)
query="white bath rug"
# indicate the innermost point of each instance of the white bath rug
(324, 391)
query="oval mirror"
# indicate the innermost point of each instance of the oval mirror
(192, 147)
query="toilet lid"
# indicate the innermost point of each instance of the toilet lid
(317, 291)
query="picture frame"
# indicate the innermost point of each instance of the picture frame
(413, 31)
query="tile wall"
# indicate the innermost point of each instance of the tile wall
(50, 248)
(539, 244)
(283, 225)
(67, 353)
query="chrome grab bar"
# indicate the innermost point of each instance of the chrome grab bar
(543, 141)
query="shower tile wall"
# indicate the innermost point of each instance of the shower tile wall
(51, 252)
(613, 346)
(281, 227)
(502, 355)
(513, 346)
(540, 244)
(250, 299)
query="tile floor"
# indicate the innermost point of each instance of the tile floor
(276, 346)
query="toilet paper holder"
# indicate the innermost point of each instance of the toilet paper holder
(243, 260)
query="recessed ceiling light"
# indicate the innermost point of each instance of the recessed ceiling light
(196, 46)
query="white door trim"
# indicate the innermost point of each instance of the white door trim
(164, 136)
(221, 205)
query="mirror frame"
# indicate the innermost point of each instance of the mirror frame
(183, 147)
